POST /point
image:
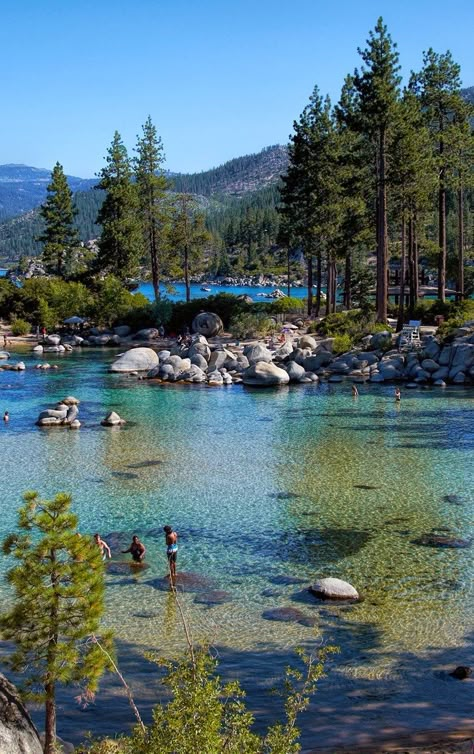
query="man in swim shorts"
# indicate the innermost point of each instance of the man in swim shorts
(136, 549)
(103, 547)
(171, 539)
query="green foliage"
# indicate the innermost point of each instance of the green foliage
(459, 313)
(151, 186)
(113, 304)
(188, 237)
(286, 304)
(208, 716)
(345, 323)
(58, 582)
(248, 325)
(20, 326)
(342, 343)
(226, 305)
(59, 236)
(121, 242)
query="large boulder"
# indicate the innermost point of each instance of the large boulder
(265, 374)
(334, 589)
(201, 349)
(136, 360)
(122, 331)
(208, 324)
(149, 333)
(295, 371)
(199, 361)
(193, 374)
(256, 352)
(53, 340)
(306, 341)
(18, 735)
(221, 358)
(313, 363)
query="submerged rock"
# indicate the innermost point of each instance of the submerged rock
(284, 614)
(334, 589)
(214, 597)
(441, 540)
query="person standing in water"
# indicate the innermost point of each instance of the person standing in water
(136, 549)
(171, 539)
(355, 392)
(103, 547)
(398, 395)
(6, 416)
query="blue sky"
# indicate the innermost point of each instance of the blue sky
(219, 79)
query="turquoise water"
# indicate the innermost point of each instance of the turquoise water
(263, 485)
(179, 291)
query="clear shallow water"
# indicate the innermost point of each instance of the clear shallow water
(260, 485)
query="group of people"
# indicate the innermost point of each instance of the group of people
(137, 549)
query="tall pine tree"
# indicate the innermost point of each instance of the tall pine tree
(60, 236)
(152, 185)
(438, 85)
(188, 237)
(377, 85)
(121, 241)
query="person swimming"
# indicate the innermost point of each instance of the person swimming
(103, 547)
(171, 539)
(136, 549)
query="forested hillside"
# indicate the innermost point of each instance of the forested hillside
(237, 177)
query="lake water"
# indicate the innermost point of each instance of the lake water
(267, 487)
(255, 292)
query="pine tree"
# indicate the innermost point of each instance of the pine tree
(438, 86)
(412, 176)
(310, 192)
(152, 185)
(188, 236)
(121, 241)
(377, 85)
(60, 235)
(59, 589)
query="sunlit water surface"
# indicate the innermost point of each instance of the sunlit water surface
(298, 483)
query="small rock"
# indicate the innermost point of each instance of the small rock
(112, 420)
(334, 589)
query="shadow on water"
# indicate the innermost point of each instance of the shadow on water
(414, 696)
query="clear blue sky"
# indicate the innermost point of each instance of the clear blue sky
(220, 78)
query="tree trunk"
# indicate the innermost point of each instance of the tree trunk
(416, 261)
(318, 283)
(411, 267)
(288, 270)
(401, 303)
(460, 275)
(382, 287)
(347, 280)
(50, 720)
(442, 222)
(186, 274)
(310, 284)
(334, 284)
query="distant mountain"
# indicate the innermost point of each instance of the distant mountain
(22, 188)
(468, 94)
(238, 176)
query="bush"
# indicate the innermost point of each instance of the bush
(342, 343)
(204, 714)
(460, 313)
(226, 305)
(287, 304)
(20, 327)
(251, 325)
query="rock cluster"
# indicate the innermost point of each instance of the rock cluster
(64, 414)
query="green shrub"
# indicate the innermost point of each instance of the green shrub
(20, 327)
(226, 305)
(460, 312)
(204, 714)
(342, 343)
(286, 304)
(251, 325)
